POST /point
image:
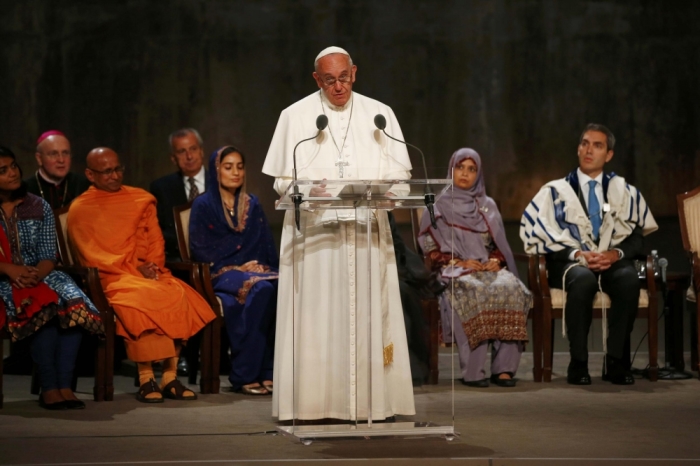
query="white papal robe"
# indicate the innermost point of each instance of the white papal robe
(327, 371)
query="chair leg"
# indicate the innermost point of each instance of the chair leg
(192, 356)
(696, 346)
(2, 358)
(98, 391)
(547, 343)
(215, 358)
(205, 357)
(108, 376)
(653, 338)
(537, 346)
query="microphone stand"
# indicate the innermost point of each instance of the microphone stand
(429, 195)
(321, 123)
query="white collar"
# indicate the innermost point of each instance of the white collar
(583, 179)
(47, 179)
(336, 108)
(198, 177)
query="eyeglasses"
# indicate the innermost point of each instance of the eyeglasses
(329, 81)
(119, 169)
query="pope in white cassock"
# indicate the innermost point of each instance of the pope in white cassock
(322, 358)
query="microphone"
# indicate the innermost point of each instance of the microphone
(380, 123)
(663, 263)
(321, 123)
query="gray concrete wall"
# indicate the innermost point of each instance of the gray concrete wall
(516, 80)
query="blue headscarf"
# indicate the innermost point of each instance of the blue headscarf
(222, 239)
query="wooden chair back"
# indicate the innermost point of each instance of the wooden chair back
(212, 341)
(689, 217)
(182, 229)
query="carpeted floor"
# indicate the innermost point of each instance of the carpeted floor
(534, 423)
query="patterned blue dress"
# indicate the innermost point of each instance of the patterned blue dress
(31, 233)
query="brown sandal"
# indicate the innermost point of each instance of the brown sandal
(146, 389)
(179, 391)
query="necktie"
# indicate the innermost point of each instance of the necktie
(194, 192)
(594, 209)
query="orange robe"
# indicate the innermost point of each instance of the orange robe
(117, 232)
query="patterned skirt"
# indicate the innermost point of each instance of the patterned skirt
(490, 306)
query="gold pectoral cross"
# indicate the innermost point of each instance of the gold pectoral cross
(341, 167)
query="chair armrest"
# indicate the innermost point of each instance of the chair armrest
(191, 270)
(208, 289)
(695, 266)
(543, 284)
(74, 270)
(650, 278)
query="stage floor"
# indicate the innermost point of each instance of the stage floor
(532, 424)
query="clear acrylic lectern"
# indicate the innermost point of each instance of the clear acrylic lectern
(361, 203)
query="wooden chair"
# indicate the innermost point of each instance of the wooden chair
(548, 307)
(187, 272)
(88, 279)
(212, 339)
(689, 217)
(432, 312)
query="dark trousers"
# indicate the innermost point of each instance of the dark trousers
(620, 282)
(252, 334)
(54, 350)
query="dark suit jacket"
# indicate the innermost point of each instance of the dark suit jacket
(169, 191)
(77, 185)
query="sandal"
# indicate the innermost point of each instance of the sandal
(255, 390)
(268, 386)
(179, 391)
(149, 387)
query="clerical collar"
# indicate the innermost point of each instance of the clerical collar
(336, 108)
(47, 179)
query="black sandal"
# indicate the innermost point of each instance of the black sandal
(146, 389)
(179, 391)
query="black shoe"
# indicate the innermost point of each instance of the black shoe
(577, 373)
(75, 404)
(616, 371)
(483, 383)
(58, 406)
(503, 382)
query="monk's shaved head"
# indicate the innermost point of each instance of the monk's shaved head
(104, 170)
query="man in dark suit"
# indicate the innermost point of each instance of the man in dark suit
(591, 225)
(54, 181)
(180, 187)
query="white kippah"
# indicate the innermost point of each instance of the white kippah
(330, 50)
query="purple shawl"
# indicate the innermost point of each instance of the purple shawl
(212, 239)
(474, 213)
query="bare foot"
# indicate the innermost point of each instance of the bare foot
(504, 376)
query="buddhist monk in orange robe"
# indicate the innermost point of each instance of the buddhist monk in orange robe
(115, 229)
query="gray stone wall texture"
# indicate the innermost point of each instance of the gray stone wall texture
(516, 80)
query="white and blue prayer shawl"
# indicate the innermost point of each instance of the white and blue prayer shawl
(555, 220)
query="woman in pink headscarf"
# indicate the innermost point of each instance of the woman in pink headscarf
(470, 251)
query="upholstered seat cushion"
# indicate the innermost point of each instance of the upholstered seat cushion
(600, 298)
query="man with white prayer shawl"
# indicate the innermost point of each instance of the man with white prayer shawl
(328, 369)
(591, 225)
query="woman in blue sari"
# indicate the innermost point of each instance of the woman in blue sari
(229, 230)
